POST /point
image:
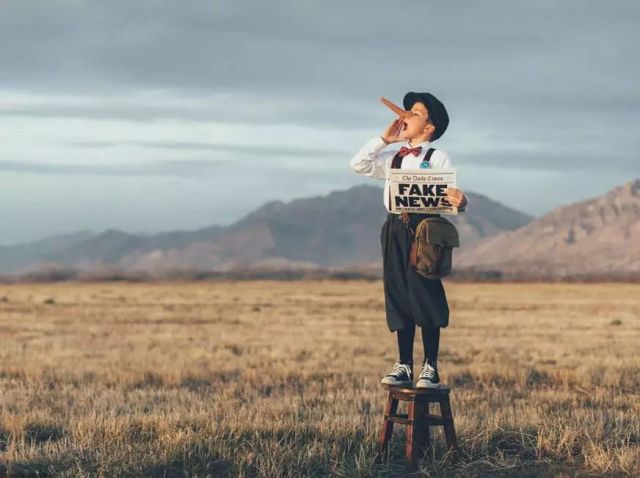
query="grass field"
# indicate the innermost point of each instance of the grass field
(282, 379)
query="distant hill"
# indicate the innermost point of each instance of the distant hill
(86, 249)
(597, 237)
(341, 228)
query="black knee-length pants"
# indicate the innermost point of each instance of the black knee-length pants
(409, 297)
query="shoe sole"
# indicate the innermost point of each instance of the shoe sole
(432, 386)
(396, 384)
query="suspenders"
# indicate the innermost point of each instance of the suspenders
(396, 162)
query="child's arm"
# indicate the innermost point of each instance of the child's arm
(371, 160)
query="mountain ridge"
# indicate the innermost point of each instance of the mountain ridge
(339, 228)
(598, 236)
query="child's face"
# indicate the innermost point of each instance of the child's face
(417, 124)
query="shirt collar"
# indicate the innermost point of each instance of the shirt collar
(423, 144)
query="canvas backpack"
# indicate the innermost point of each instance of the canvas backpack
(432, 246)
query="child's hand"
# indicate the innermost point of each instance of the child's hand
(457, 198)
(392, 133)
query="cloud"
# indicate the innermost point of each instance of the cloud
(176, 168)
(254, 150)
(172, 91)
(161, 105)
(499, 51)
(502, 66)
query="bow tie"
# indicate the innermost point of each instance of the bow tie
(404, 151)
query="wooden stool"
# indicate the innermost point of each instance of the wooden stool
(418, 420)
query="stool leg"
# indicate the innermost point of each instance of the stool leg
(449, 428)
(390, 409)
(415, 434)
(426, 443)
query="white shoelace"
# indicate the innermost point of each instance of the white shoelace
(428, 372)
(399, 368)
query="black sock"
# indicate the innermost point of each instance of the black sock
(405, 344)
(431, 343)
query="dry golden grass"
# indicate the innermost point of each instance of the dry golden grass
(282, 378)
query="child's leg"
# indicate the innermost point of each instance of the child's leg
(431, 343)
(395, 241)
(405, 343)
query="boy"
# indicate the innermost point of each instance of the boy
(410, 299)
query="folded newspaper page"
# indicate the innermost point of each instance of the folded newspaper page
(414, 190)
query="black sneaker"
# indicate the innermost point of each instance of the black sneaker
(428, 378)
(401, 375)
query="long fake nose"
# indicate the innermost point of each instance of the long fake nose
(395, 108)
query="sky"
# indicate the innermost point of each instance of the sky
(155, 115)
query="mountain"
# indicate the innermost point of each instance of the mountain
(341, 228)
(597, 237)
(86, 249)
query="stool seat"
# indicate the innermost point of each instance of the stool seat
(442, 388)
(418, 419)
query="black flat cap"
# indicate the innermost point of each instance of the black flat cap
(437, 112)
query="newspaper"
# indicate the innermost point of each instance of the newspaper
(415, 190)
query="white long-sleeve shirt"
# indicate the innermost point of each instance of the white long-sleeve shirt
(374, 160)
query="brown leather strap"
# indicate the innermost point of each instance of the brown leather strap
(413, 252)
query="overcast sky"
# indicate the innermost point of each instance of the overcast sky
(150, 115)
